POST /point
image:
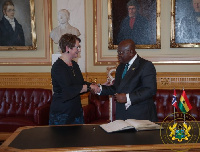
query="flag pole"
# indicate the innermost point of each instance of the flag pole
(174, 112)
(184, 112)
(174, 115)
(174, 109)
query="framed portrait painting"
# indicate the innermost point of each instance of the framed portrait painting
(106, 28)
(17, 25)
(185, 23)
(138, 20)
(28, 55)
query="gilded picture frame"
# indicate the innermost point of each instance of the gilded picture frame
(28, 55)
(102, 54)
(185, 24)
(163, 56)
(24, 35)
(146, 29)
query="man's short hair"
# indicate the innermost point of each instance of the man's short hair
(133, 3)
(5, 5)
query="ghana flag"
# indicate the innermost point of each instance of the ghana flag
(184, 103)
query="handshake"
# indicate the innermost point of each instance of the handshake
(95, 88)
(118, 97)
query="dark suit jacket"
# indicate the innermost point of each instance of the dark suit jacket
(66, 88)
(139, 34)
(9, 37)
(140, 83)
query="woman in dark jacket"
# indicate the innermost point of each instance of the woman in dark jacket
(68, 84)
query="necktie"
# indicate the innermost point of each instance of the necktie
(131, 23)
(125, 70)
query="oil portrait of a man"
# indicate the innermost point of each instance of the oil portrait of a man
(136, 20)
(15, 23)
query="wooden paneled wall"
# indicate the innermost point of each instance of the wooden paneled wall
(25, 80)
(165, 80)
(178, 80)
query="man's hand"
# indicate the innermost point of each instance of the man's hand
(95, 88)
(120, 97)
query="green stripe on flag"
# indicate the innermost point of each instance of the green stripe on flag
(184, 103)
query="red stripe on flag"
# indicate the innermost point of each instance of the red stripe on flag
(186, 100)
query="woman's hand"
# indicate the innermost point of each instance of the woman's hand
(84, 89)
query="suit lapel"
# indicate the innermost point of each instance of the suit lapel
(8, 26)
(129, 73)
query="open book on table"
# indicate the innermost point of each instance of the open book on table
(119, 125)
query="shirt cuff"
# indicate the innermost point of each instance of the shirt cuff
(100, 89)
(128, 103)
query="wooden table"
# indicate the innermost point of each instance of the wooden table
(4, 135)
(87, 138)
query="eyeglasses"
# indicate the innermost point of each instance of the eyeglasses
(11, 10)
(121, 52)
(78, 47)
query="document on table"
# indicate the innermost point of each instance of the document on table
(119, 125)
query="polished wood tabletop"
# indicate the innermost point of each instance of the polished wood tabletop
(88, 138)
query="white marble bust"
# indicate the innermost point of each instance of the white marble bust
(63, 27)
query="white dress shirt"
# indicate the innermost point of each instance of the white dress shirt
(11, 21)
(128, 103)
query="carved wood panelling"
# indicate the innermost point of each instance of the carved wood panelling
(25, 80)
(178, 80)
(165, 80)
(96, 77)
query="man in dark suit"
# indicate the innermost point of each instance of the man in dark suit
(135, 89)
(11, 32)
(134, 26)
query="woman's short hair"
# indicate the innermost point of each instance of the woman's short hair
(5, 5)
(68, 40)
